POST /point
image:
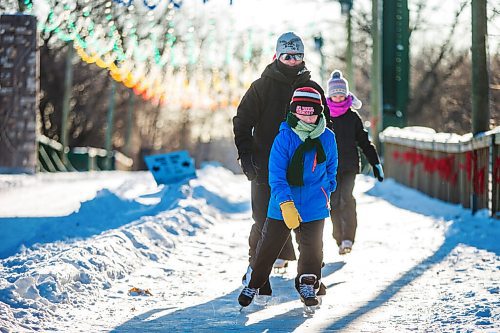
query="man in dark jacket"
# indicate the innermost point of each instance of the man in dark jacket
(260, 113)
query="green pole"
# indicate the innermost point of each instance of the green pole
(68, 85)
(395, 62)
(376, 74)
(323, 70)
(319, 42)
(403, 59)
(345, 7)
(109, 126)
(480, 80)
(349, 65)
(21, 5)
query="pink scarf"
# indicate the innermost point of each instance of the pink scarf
(339, 108)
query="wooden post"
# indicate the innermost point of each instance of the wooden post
(480, 81)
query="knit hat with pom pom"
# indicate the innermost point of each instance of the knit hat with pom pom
(337, 85)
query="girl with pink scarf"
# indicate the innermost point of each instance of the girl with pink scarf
(350, 134)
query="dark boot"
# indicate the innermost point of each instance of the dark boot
(306, 289)
(246, 296)
(266, 289)
(321, 290)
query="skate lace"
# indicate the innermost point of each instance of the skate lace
(306, 290)
(249, 292)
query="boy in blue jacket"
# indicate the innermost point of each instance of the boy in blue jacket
(302, 170)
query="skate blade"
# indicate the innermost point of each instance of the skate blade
(310, 309)
(262, 300)
(344, 251)
(280, 270)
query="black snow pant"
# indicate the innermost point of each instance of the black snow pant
(261, 194)
(343, 208)
(274, 237)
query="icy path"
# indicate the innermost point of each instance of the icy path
(418, 265)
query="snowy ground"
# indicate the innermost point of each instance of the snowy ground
(74, 244)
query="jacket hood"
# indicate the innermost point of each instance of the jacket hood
(274, 73)
(285, 127)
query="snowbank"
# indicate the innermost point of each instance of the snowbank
(418, 264)
(128, 225)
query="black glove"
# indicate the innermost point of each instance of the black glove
(378, 172)
(246, 163)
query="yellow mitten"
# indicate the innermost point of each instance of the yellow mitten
(290, 214)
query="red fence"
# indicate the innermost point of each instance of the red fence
(460, 170)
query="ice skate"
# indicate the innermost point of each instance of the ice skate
(280, 266)
(246, 296)
(309, 310)
(262, 300)
(307, 293)
(264, 294)
(345, 247)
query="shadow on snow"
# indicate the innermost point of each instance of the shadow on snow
(465, 229)
(476, 231)
(223, 314)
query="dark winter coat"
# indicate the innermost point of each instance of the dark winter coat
(313, 198)
(261, 111)
(350, 134)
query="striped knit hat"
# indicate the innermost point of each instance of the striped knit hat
(306, 101)
(337, 85)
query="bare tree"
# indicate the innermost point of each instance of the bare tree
(440, 73)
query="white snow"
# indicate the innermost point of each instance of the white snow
(74, 244)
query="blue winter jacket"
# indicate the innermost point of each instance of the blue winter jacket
(313, 198)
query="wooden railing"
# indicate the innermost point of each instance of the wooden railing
(457, 169)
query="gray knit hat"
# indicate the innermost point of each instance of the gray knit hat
(289, 42)
(337, 85)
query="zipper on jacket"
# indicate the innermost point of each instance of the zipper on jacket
(315, 162)
(326, 197)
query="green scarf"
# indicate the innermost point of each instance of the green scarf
(308, 134)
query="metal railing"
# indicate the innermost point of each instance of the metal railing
(462, 170)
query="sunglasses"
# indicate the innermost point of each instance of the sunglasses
(296, 56)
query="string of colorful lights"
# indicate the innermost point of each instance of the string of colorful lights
(149, 55)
